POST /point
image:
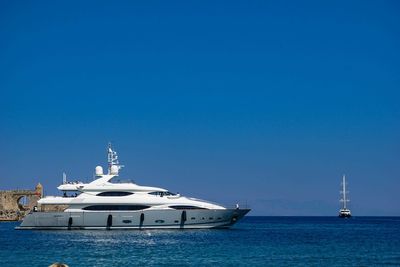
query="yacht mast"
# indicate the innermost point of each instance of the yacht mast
(112, 159)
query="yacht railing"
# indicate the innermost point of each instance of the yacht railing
(207, 201)
(239, 205)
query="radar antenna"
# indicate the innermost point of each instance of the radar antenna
(112, 158)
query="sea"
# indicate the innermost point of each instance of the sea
(254, 241)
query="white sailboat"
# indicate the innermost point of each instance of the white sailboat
(344, 212)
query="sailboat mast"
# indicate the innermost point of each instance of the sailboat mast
(344, 191)
(344, 212)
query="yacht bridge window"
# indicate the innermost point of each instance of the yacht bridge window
(116, 207)
(114, 194)
(119, 180)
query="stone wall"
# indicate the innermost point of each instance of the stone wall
(11, 209)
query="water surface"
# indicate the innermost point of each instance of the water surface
(256, 241)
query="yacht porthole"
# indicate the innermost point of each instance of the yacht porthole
(159, 221)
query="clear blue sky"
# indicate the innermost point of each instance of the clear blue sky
(268, 102)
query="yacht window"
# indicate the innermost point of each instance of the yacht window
(184, 207)
(116, 207)
(161, 193)
(119, 180)
(159, 221)
(71, 193)
(114, 194)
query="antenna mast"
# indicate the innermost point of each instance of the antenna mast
(64, 181)
(112, 158)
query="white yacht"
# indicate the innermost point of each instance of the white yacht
(344, 212)
(107, 203)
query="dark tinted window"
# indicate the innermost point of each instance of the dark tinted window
(118, 180)
(160, 193)
(116, 207)
(184, 207)
(114, 194)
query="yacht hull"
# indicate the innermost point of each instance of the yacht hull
(146, 219)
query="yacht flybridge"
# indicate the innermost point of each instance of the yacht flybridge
(344, 212)
(106, 203)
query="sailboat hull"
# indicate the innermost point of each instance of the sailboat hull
(344, 213)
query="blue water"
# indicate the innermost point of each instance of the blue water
(255, 241)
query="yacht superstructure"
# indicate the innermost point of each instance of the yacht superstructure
(344, 212)
(106, 203)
